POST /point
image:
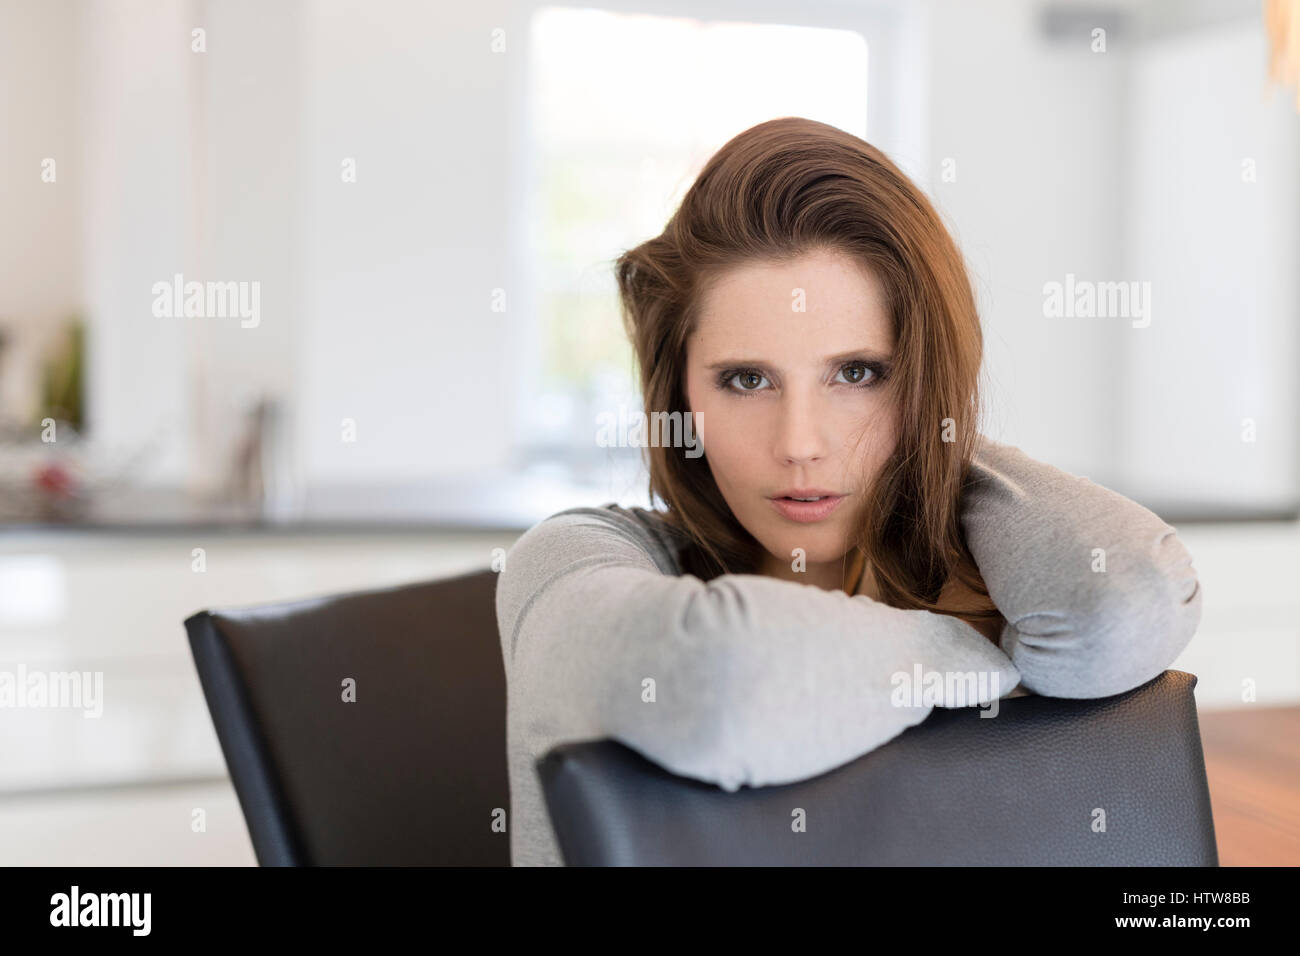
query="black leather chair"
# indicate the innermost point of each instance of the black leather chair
(1023, 788)
(409, 774)
(414, 772)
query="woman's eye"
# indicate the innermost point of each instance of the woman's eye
(859, 374)
(749, 381)
(855, 372)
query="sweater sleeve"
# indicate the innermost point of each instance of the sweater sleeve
(743, 679)
(1099, 593)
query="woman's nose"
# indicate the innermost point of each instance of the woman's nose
(799, 430)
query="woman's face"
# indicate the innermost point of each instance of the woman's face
(787, 368)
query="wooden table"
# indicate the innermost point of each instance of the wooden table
(1252, 760)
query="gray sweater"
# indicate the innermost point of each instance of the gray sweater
(747, 679)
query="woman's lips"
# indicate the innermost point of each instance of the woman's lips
(805, 511)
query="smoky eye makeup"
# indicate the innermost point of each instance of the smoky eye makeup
(748, 380)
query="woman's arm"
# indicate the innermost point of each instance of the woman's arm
(1077, 627)
(756, 680)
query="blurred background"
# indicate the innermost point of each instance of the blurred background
(308, 297)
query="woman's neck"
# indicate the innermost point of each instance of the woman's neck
(829, 576)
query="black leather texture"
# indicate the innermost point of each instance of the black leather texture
(408, 774)
(1027, 787)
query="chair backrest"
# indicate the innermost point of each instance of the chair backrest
(408, 774)
(1110, 781)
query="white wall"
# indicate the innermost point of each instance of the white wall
(249, 196)
(189, 161)
(1126, 166)
(40, 255)
(1222, 255)
(399, 267)
(225, 165)
(136, 163)
(1031, 124)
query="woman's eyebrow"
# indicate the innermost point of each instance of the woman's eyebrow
(871, 355)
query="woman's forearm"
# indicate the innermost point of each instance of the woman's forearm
(743, 679)
(1099, 593)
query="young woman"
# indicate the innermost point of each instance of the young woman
(846, 526)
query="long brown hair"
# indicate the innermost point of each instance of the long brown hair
(774, 192)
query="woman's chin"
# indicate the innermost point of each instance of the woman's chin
(806, 549)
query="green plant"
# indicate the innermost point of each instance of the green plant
(62, 393)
